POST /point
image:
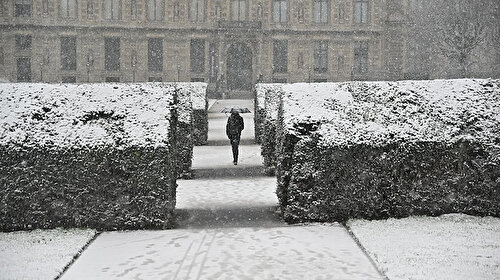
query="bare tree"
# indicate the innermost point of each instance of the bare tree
(461, 34)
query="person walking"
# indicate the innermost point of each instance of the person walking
(234, 127)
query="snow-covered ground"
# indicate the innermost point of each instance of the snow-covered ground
(287, 252)
(40, 254)
(453, 246)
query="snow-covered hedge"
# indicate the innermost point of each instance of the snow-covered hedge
(96, 155)
(198, 92)
(259, 110)
(389, 149)
(272, 97)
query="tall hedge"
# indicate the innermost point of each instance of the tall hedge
(99, 156)
(389, 149)
(199, 99)
(273, 93)
(259, 111)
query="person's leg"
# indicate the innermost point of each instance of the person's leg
(235, 151)
(235, 143)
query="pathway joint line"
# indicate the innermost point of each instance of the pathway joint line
(75, 257)
(363, 249)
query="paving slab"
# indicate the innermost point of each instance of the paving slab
(40, 254)
(287, 252)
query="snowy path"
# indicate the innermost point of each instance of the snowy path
(227, 228)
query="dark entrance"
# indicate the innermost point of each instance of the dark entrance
(239, 67)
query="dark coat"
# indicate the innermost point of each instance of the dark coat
(234, 126)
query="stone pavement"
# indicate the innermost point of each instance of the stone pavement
(228, 228)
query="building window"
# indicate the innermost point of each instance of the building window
(280, 11)
(320, 11)
(197, 56)
(197, 10)
(45, 7)
(155, 79)
(23, 8)
(361, 58)
(112, 54)
(133, 9)
(239, 10)
(69, 79)
(112, 9)
(90, 8)
(280, 56)
(112, 79)
(155, 54)
(155, 10)
(67, 8)
(177, 11)
(24, 69)
(321, 57)
(213, 62)
(340, 63)
(68, 53)
(361, 11)
(23, 42)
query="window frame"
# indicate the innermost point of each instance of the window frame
(115, 13)
(109, 65)
(280, 56)
(158, 10)
(364, 13)
(19, 8)
(320, 56)
(283, 16)
(197, 56)
(155, 55)
(65, 11)
(323, 18)
(194, 14)
(361, 57)
(24, 42)
(245, 12)
(71, 63)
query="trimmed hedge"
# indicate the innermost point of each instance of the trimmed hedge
(199, 99)
(271, 103)
(379, 150)
(185, 130)
(259, 111)
(397, 180)
(99, 156)
(104, 188)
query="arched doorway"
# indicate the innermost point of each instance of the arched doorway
(239, 67)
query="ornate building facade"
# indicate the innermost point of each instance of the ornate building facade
(226, 43)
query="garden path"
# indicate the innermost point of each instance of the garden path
(228, 227)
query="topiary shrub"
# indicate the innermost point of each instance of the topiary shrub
(100, 156)
(389, 149)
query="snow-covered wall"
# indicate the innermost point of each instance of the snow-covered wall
(379, 149)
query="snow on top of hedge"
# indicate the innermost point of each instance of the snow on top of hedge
(380, 113)
(262, 91)
(85, 115)
(198, 92)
